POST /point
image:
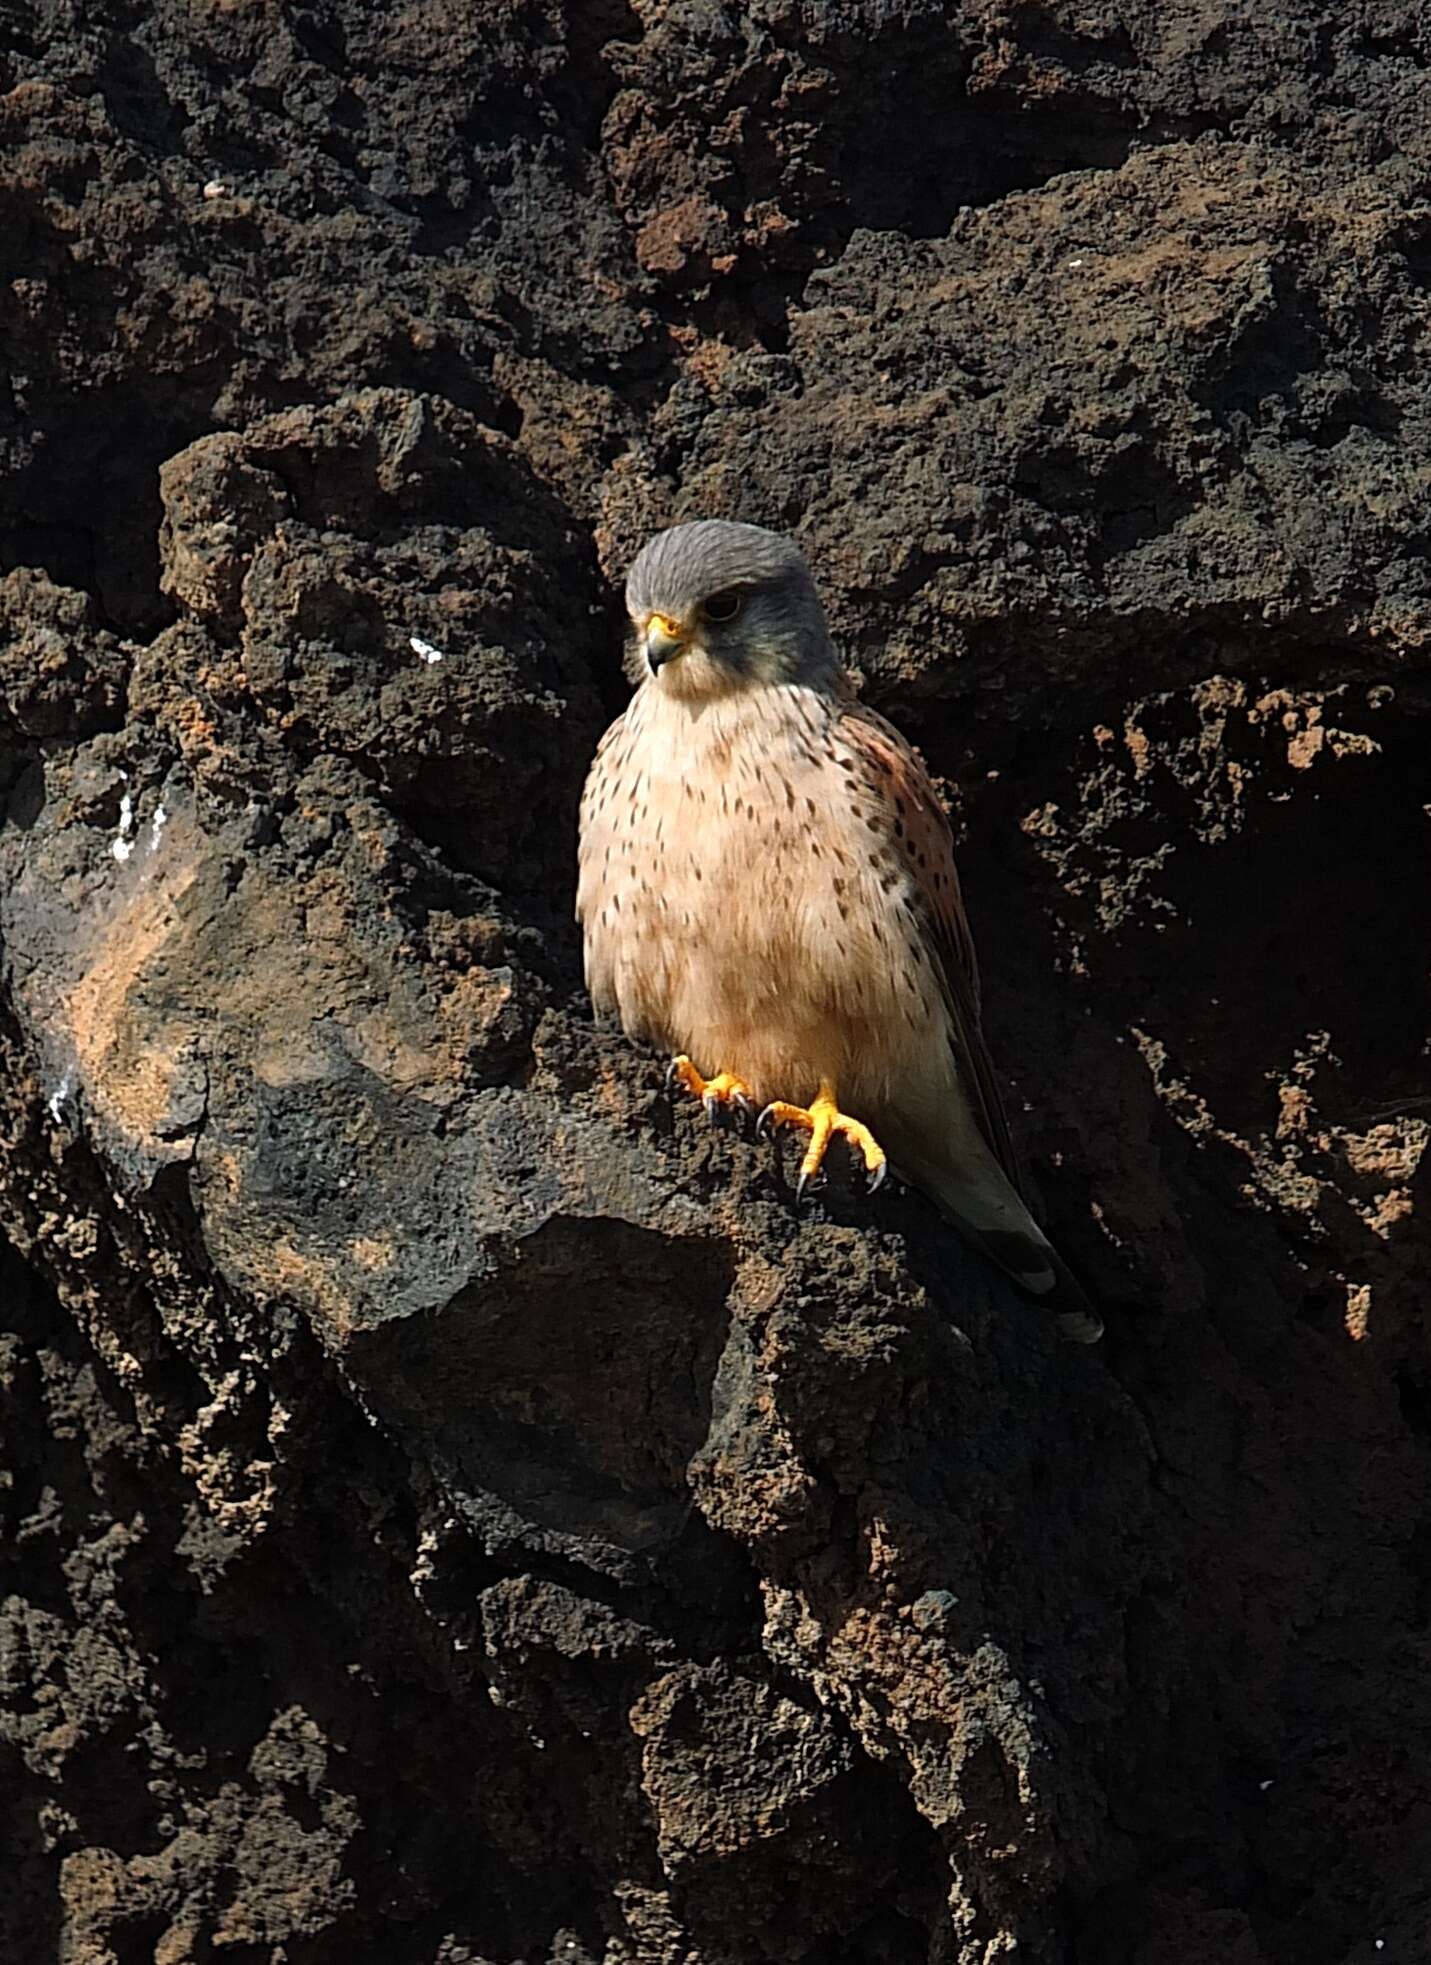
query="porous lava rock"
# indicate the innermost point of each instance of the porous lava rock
(454, 1506)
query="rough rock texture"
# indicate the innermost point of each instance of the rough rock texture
(453, 1508)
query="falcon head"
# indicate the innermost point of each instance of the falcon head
(719, 607)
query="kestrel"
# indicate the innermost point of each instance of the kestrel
(767, 889)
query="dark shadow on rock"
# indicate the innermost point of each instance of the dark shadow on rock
(574, 1383)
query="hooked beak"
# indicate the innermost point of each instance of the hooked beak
(665, 638)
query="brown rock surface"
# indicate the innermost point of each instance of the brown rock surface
(453, 1507)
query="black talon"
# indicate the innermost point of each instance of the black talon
(711, 1104)
(671, 1074)
(764, 1123)
(877, 1177)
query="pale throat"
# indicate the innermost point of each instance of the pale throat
(707, 733)
(696, 677)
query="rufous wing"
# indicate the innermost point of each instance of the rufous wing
(986, 1201)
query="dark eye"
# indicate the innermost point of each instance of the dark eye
(721, 608)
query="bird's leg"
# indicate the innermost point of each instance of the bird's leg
(724, 1090)
(823, 1119)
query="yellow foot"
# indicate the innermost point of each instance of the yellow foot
(823, 1120)
(721, 1092)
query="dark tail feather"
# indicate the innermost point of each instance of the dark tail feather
(1038, 1268)
(989, 1212)
(1077, 1319)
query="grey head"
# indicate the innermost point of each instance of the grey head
(718, 606)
